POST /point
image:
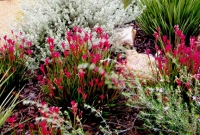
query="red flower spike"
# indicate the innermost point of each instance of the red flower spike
(42, 68)
(159, 61)
(20, 126)
(96, 80)
(84, 57)
(44, 127)
(74, 107)
(148, 52)
(29, 52)
(75, 28)
(164, 38)
(175, 53)
(197, 76)
(39, 77)
(23, 41)
(95, 58)
(182, 60)
(106, 37)
(29, 43)
(156, 35)
(102, 97)
(9, 41)
(54, 110)
(84, 96)
(68, 36)
(43, 82)
(81, 73)
(106, 45)
(5, 37)
(80, 30)
(80, 114)
(47, 61)
(178, 81)
(21, 46)
(94, 47)
(103, 73)
(66, 53)
(74, 37)
(58, 81)
(86, 37)
(55, 54)
(72, 47)
(96, 69)
(67, 74)
(11, 49)
(91, 83)
(98, 30)
(100, 45)
(187, 85)
(101, 83)
(11, 119)
(31, 126)
(63, 45)
(50, 41)
(168, 48)
(80, 90)
(105, 63)
(21, 55)
(158, 29)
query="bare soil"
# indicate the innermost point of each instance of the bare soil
(8, 12)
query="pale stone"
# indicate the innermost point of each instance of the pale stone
(141, 65)
(124, 36)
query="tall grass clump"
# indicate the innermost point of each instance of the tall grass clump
(167, 13)
(51, 18)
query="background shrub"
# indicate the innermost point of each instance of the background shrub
(165, 14)
(43, 18)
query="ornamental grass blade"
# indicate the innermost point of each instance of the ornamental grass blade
(126, 3)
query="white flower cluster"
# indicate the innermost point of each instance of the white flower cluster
(43, 18)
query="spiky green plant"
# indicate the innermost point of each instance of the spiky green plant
(165, 14)
(8, 104)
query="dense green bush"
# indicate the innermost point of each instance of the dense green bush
(165, 14)
(44, 18)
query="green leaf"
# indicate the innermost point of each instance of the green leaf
(126, 3)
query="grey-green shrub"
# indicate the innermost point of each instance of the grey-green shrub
(43, 18)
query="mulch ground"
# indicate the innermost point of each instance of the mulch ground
(123, 119)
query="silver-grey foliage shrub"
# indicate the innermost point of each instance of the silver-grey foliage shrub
(44, 18)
